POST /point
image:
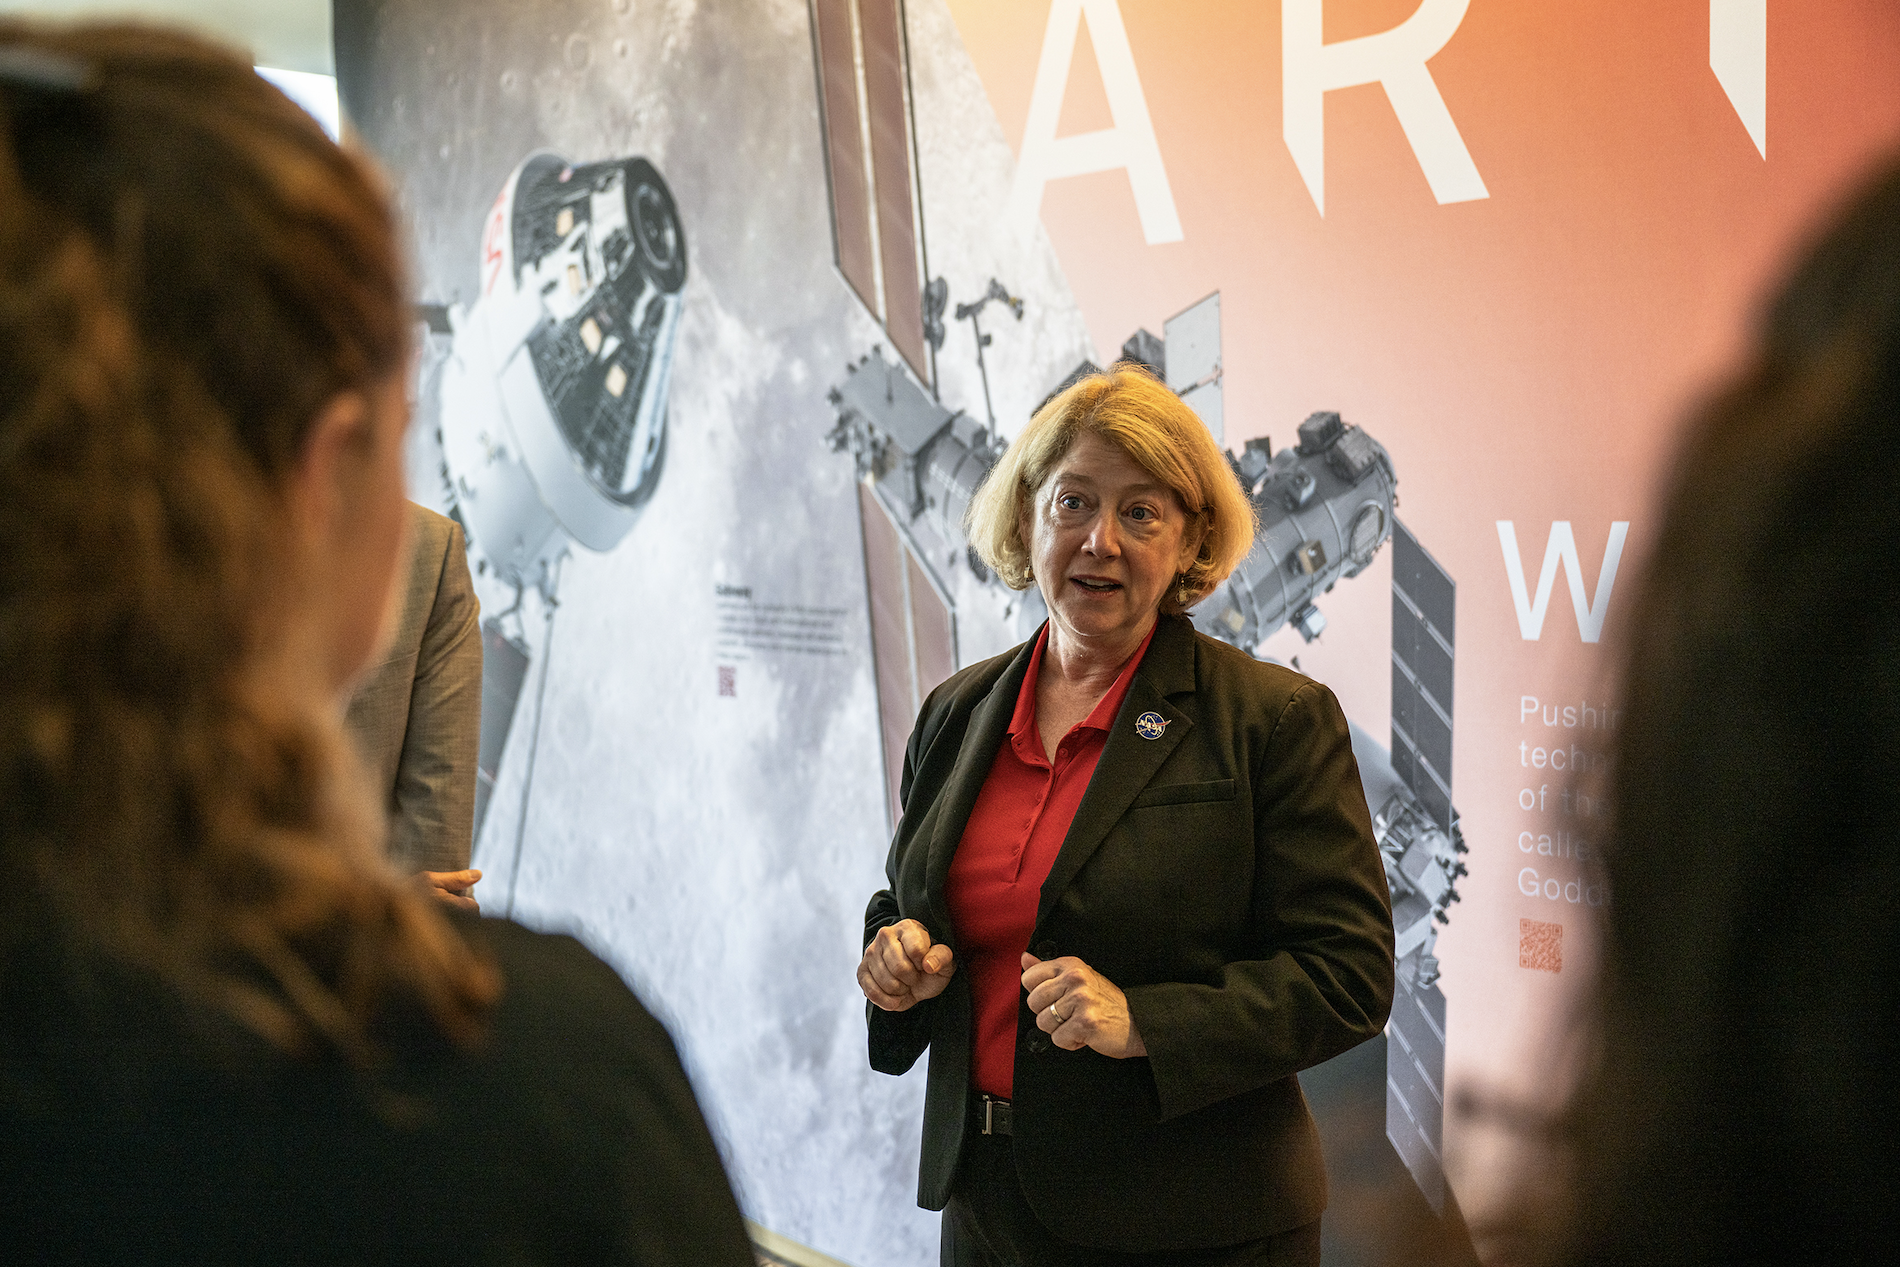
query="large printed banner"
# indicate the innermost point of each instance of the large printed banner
(731, 305)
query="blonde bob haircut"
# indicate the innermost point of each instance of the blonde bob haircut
(1133, 410)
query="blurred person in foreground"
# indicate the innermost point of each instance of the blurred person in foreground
(1741, 1103)
(1134, 890)
(229, 1030)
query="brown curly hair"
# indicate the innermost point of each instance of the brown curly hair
(189, 270)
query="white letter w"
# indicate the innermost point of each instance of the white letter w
(1562, 549)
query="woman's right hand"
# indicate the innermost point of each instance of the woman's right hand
(902, 967)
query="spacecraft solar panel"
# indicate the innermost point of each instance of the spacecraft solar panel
(884, 563)
(881, 23)
(913, 632)
(1192, 341)
(875, 224)
(1415, 1084)
(1423, 611)
(933, 633)
(837, 57)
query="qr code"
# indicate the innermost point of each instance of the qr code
(1540, 945)
(728, 680)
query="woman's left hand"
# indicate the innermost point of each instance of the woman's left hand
(1079, 1007)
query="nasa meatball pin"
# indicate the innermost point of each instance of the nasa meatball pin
(1150, 725)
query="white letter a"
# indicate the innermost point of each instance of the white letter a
(1130, 144)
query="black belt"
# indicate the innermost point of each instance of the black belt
(991, 1114)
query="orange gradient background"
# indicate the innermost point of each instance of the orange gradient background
(1525, 357)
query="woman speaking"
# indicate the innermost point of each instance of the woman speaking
(1134, 889)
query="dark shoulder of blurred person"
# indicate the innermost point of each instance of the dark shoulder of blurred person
(1742, 1104)
(229, 1030)
(136, 1125)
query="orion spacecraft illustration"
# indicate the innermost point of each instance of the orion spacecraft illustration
(550, 390)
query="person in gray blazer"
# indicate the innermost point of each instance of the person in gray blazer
(416, 717)
(1134, 889)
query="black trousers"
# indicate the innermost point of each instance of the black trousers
(988, 1223)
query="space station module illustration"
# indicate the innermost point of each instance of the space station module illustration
(550, 391)
(1324, 505)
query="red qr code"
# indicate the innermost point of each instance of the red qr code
(1540, 945)
(728, 680)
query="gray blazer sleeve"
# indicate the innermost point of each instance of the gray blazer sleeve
(432, 802)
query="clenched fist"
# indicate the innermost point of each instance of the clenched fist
(902, 967)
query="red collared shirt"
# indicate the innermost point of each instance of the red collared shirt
(1008, 846)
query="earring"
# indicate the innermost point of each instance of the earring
(1181, 590)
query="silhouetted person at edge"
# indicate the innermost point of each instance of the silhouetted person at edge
(1742, 1104)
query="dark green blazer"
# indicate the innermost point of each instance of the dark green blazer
(1225, 877)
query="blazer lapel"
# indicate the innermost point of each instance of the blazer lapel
(1128, 760)
(989, 723)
